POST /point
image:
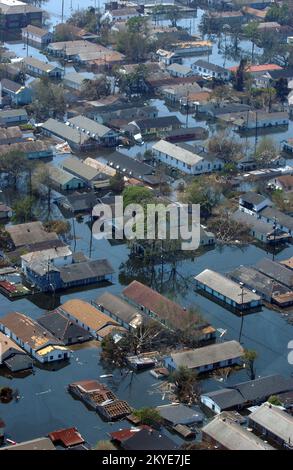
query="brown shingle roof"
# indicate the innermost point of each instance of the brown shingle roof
(87, 314)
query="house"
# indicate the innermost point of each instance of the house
(74, 81)
(215, 111)
(178, 70)
(30, 233)
(274, 216)
(187, 134)
(255, 13)
(208, 69)
(38, 36)
(91, 177)
(129, 166)
(68, 438)
(58, 256)
(122, 312)
(10, 135)
(224, 433)
(33, 149)
(283, 183)
(52, 278)
(63, 328)
(103, 135)
(42, 443)
(181, 49)
(100, 398)
(31, 337)
(148, 439)
(5, 211)
(207, 358)
(123, 115)
(276, 271)
(175, 93)
(176, 413)
(259, 282)
(224, 290)
(274, 424)
(39, 68)
(257, 70)
(18, 94)
(167, 312)
(13, 117)
(101, 167)
(76, 139)
(12, 356)
(252, 203)
(16, 14)
(244, 394)
(87, 316)
(256, 119)
(78, 202)
(63, 180)
(148, 127)
(183, 159)
(167, 57)
(121, 14)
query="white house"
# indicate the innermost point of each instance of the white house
(59, 256)
(183, 159)
(178, 70)
(252, 203)
(121, 14)
(33, 338)
(208, 69)
(39, 36)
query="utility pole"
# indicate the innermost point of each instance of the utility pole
(187, 108)
(62, 14)
(274, 242)
(242, 294)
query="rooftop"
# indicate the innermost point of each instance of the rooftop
(88, 125)
(99, 166)
(158, 122)
(225, 286)
(275, 270)
(61, 327)
(7, 346)
(118, 307)
(35, 30)
(180, 154)
(40, 64)
(78, 167)
(29, 233)
(65, 132)
(276, 421)
(47, 255)
(68, 437)
(29, 331)
(93, 269)
(9, 85)
(281, 218)
(149, 439)
(253, 198)
(42, 443)
(207, 355)
(59, 176)
(180, 414)
(232, 436)
(86, 313)
(210, 66)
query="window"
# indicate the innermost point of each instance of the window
(51, 358)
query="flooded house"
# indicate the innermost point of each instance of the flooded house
(35, 35)
(275, 271)
(177, 413)
(64, 328)
(228, 292)
(33, 338)
(41, 443)
(91, 177)
(39, 68)
(88, 317)
(208, 69)
(63, 180)
(103, 135)
(17, 14)
(12, 355)
(100, 398)
(207, 358)
(225, 433)
(76, 139)
(17, 94)
(143, 438)
(165, 311)
(245, 394)
(30, 233)
(13, 117)
(121, 311)
(273, 424)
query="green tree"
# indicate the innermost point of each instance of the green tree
(22, 210)
(137, 195)
(87, 18)
(117, 183)
(240, 76)
(95, 89)
(274, 400)
(149, 416)
(251, 32)
(282, 90)
(249, 359)
(42, 185)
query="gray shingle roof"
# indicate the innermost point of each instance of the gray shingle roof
(281, 218)
(210, 66)
(117, 306)
(180, 414)
(277, 422)
(77, 167)
(85, 270)
(87, 124)
(65, 132)
(253, 198)
(275, 271)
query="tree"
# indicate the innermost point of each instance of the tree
(95, 89)
(173, 14)
(266, 150)
(185, 380)
(240, 76)
(274, 400)
(225, 147)
(42, 185)
(251, 32)
(14, 164)
(64, 32)
(279, 13)
(61, 227)
(22, 210)
(117, 183)
(48, 100)
(148, 416)
(249, 359)
(282, 90)
(228, 230)
(199, 193)
(87, 18)
(283, 200)
(137, 195)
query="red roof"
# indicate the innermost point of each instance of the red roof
(258, 68)
(125, 434)
(8, 286)
(68, 437)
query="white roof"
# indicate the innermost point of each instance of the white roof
(278, 422)
(47, 255)
(177, 152)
